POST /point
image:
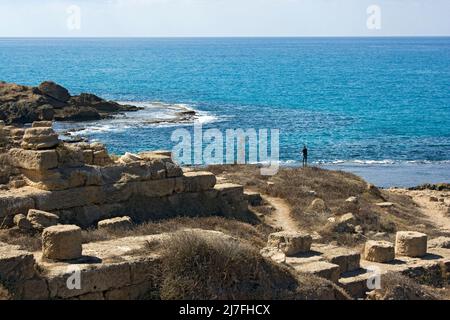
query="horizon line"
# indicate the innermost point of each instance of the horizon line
(225, 37)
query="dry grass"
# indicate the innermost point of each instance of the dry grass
(334, 187)
(399, 287)
(200, 267)
(256, 235)
(23, 240)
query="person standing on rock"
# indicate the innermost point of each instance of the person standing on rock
(305, 156)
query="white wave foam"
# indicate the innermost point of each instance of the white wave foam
(154, 114)
(379, 162)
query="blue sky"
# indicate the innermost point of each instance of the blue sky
(49, 18)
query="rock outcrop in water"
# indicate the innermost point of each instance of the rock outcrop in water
(50, 101)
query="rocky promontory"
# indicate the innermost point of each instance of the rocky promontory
(21, 104)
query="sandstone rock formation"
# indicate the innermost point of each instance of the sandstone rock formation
(50, 101)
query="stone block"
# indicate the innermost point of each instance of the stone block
(21, 221)
(64, 199)
(94, 279)
(290, 243)
(42, 124)
(411, 244)
(62, 242)
(15, 264)
(39, 160)
(14, 202)
(320, 269)
(379, 251)
(230, 190)
(42, 219)
(39, 138)
(347, 260)
(173, 170)
(356, 286)
(34, 289)
(197, 181)
(253, 198)
(118, 223)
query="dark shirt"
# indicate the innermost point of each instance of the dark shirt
(305, 152)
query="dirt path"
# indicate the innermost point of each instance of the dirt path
(436, 212)
(281, 216)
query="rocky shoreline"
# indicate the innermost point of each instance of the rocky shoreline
(49, 101)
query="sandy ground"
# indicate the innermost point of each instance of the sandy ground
(437, 212)
(281, 216)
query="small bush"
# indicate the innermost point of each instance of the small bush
(198, 266)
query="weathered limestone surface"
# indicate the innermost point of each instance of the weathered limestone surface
(253, 198)
(115, 223)
(17, 201)
(38, 160)
(39, 138)
(290, 243)
(379, 251)
(346, 259)
(321, 269)
(62, 242)
(41, 219)
(199, 181)
(411, 244)
(82, 184)
(21, 221)
(18, 272)
(116, 269)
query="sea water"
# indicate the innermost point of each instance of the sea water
(379, 107)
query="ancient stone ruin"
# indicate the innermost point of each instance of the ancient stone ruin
(55, 189)
(81, 184)
(354, 272)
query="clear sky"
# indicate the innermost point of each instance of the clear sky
(59, 18)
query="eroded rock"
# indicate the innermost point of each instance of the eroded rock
(41, 219)
(119, 223)
(379, 251)
(62, 242)
(290, 243)
(411, 244)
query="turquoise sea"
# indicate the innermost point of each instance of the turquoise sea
(379, 107)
